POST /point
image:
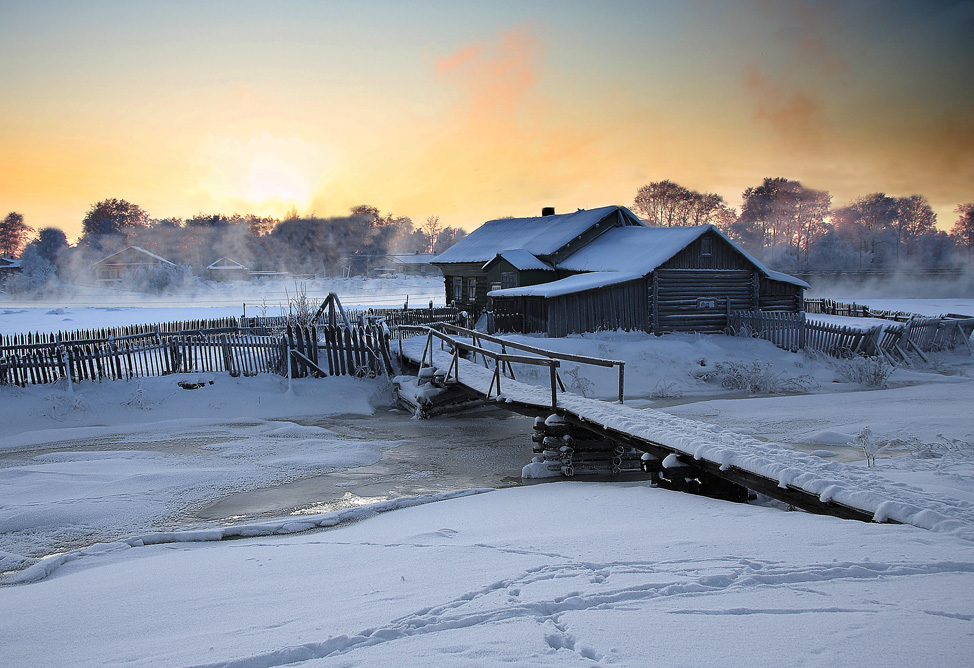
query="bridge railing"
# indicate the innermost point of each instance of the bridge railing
(477, 337)
(503, 359)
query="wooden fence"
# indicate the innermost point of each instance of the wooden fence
(158, 350)
(392, 318)
(853, 310)
(793, 331)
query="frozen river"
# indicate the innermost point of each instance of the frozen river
(483, 449)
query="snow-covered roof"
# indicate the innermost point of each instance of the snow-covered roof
(415, 258)
(643, 249)
(128, 251)
(785, 278)
(225, 263)
(569, 285)
(632, 249)
(522, 261)
(539, 236)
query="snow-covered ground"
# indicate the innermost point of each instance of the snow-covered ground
(92, 306)
(109, 476)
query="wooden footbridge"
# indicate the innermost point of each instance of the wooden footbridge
(473, 365)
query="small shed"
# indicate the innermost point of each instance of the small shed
(126, 261)
(226, 269)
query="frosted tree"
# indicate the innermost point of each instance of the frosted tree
(963, 231)
(914, 218)
(781, 213)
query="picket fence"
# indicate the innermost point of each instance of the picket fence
(141, 351)
(895, 340)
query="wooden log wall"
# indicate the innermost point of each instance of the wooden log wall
(700, 300)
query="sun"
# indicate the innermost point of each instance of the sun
(263, 172)
(273, 179)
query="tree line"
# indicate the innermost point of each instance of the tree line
(343, 245)
(794, 228)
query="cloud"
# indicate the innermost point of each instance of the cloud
(494, 78)
(798, 116)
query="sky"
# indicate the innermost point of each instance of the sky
(473, 111)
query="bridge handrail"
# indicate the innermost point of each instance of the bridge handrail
(567, 357)
(500, 358)
(504, 356)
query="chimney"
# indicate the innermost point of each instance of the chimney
(548, 211)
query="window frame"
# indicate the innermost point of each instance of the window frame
(706, 246)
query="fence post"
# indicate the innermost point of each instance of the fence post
(67, 366)
(622, 381)
(554, 387)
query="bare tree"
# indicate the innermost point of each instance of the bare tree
(668, 204)
(871, 221)
(782, 213)
(14, 234)
(914, 218)
(663, 203)
(112, 218)
(431, 228)
(963, 230)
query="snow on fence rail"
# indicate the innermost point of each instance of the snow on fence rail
(393, 318)
(793, 331)
(158, 350)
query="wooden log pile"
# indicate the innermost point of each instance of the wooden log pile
(571, 451)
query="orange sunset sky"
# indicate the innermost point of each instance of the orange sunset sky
(473, 111)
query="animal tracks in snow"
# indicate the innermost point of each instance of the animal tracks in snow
(544, 594)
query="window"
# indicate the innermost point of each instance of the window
(706, 246)
(457, 289)
(509, 279)
(473, 289)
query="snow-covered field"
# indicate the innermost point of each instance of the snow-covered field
(107, 478)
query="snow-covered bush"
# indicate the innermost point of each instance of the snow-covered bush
(869, 445)
(579, 383)
(665, 390)
(161, 278)
(36, 274)
(300, 309)
(869, 371)
(759, 378)
(944, 446)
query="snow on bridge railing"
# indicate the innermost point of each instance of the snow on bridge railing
(503, 359)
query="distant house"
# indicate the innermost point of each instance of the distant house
(226, 269)
(126, 261)
(416, 264)
(614, 273)
(8, 266)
